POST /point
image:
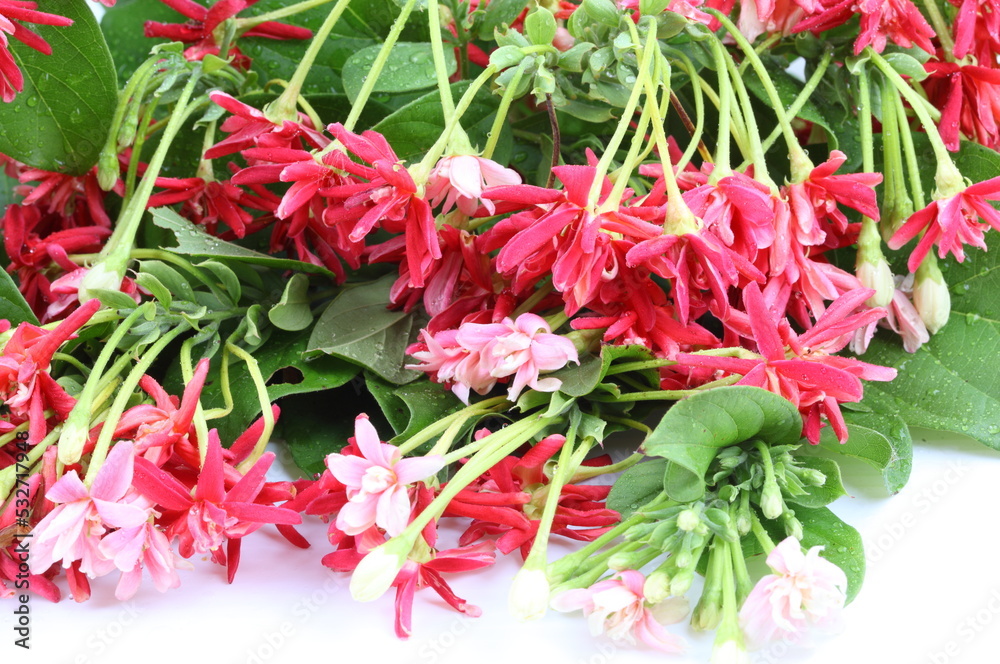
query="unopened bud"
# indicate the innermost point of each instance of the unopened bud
(688, 520)
(529, 595)
(771, 503)
(657, 587)
(930, 295)
(877, 275)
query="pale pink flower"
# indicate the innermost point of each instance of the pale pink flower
(142, 546)
(377, 482)
(521, 348)
(72, 530)
(805, 591)
(617, 607)
(461, 180)
(452, 364)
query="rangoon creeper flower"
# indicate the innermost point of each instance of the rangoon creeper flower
(617, 607)
(460, 180)
(377, 482)
(478, 354)
(805, 591)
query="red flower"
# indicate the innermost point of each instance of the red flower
(951, 223)
(13, 13)
(209, 515)
(26, 388)
(248, 126)
(898, 20)
(200, 29)
(802, 368)
(969, 99)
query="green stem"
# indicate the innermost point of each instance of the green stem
(758, 530)
(942, 28)
(284, 107)
(586, 472)
(722, 167)
(504, 109)
(251, 22)
(916, 103)
(755, 148)
(642, 75)
(260, 384)
(802, 97)
(376, 69)
(437, 51)
(428, 432)
(699, 109)
(200, 424)
(801, 164)
(663, 395)
(912, 165)
(125, 393)
(625, 367)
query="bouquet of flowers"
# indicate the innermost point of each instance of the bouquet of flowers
(455, 255)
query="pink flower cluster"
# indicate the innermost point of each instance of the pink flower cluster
(476, 355)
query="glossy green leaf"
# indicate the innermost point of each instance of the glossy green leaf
(410, 67)
(359, 327)
(497, 14)
(841, 544)
(313, 426)
(292, 312)
(637, 486)
(13, 307)
(60, 120)
(693, 431)
(881, 440)
(193, 240)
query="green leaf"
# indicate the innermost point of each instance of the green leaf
(496, 14)
(842, 544)
(637, 486)
(60, 120)
(313, 426)
(829, 491)
(13, 307)
(292, 312)
(286, 372)
(193, 241)
(951, 383)
(410, 67)
(693, 431)
(427, 403)
(881, 440)
(414, 128)
(359, 327)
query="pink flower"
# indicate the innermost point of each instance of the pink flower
(898, 20)
(461, 179)
(132, 549)
(72, 530)
(805, 591)
(522, 349)
(950, 223)
(377, 482)
(617, 607)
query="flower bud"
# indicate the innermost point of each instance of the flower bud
(657, 587)
(877, 275)
(681, 582)
(529, 594)
(99, 277)
(688, 520)
(377, 570)
(771, 503)
(72, 439)
(930, 295)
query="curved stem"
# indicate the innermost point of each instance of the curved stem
(437, 51)
(504, 109)
(376, 69)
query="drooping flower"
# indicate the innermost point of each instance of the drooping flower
(805, 591)
(618, 608)
(378, 482)
(881, 20)
(71, 532)
(460, 180)
(951, 223)
(969, 98)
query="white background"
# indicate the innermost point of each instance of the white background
(931, 596)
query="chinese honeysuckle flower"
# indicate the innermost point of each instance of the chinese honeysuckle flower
(460, 180)
(72, 530)
(805, 591)
(521, 348)
(617, 607)
(377, 482)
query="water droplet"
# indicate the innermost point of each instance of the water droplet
(31, 101)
